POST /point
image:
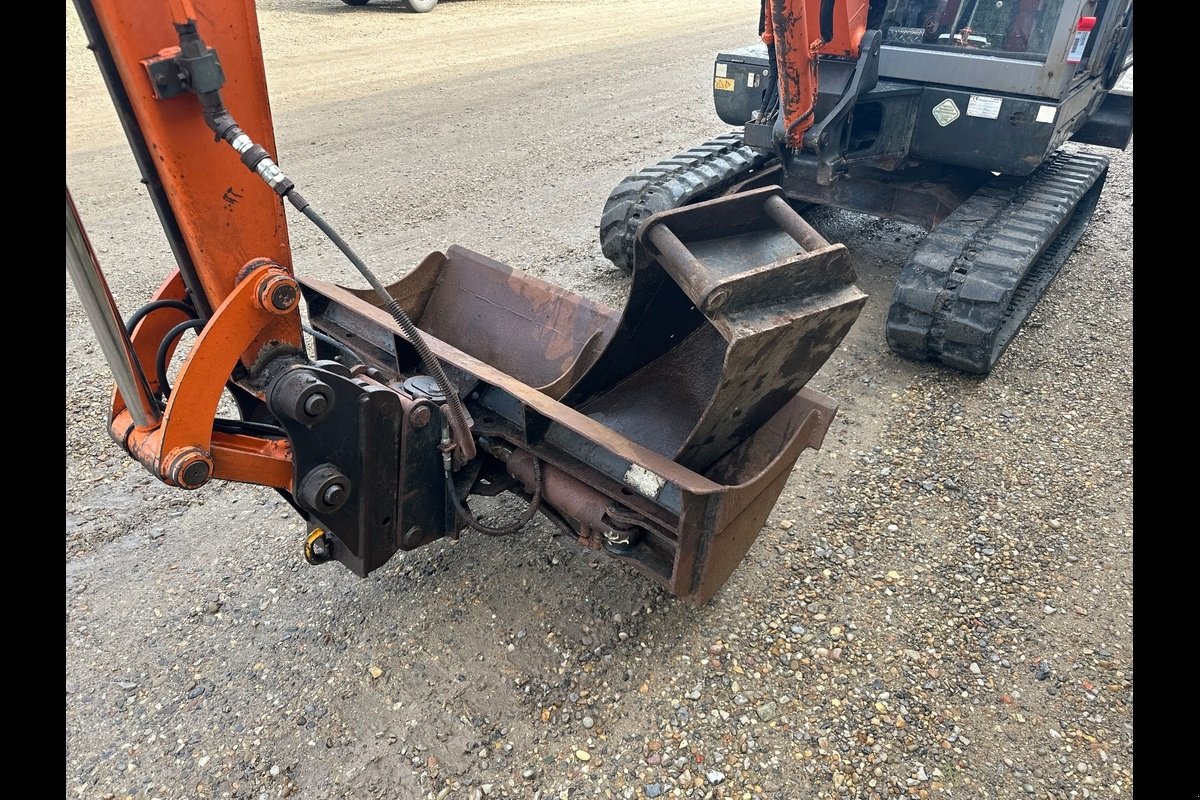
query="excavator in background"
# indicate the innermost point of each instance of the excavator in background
(949, 114)
(661, 435)
(416, 6)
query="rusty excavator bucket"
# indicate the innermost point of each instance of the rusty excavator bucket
(662, 435)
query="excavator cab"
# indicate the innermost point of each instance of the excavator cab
(1017, 28)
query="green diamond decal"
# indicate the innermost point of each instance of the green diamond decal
(945, 112)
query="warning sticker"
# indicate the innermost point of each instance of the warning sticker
(983, 106)
(945, 112)
(751, 80)
(1046, 113)
(722, 69)
(723, 84)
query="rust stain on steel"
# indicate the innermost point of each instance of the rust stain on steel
(569, 495)
(715, 536)
(754, 475)
(773, 325)
(691, 553)
(796, 49)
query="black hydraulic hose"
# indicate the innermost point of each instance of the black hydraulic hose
(329, 340)
(826, 20)
(153, 306)
(246, 426)
(160, 366)
(770, 100)
(516, 525)
(164, 347)
(458, 417)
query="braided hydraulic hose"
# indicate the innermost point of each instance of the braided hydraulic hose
(463, 441)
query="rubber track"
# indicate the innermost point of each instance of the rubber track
(975, 278)
(672, 183)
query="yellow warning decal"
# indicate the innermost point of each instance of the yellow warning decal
(723, 84)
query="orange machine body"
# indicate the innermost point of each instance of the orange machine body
(793, 29)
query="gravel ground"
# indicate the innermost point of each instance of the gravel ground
(940, 604)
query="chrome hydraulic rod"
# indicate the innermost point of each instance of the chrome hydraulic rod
(102, 312)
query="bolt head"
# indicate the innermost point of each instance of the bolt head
(420, 416)
(196, 473)
(277, 293)
(334, 495)
(316, 404)
(189, 468)
(283, 297)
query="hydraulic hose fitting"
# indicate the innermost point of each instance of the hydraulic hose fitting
(447, 447)
(256, 159)
(202, 75)
(198, 71)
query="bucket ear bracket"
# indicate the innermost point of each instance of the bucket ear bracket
(735, 305)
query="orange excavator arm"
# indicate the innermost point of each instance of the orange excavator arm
(798, 33)
(233, 278)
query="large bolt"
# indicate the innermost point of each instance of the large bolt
(334, 495)
(283, 297)
(302, 396)
(189, 467)
(324, 489)
(420, 416)
(412, 538)
(277, 293)
(315, 404)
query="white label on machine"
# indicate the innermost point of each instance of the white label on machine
(983, 106)
(1046, 113)
(945, 112)
(722, 70)
(646, 482)
(751, 80)
(1078, 45)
